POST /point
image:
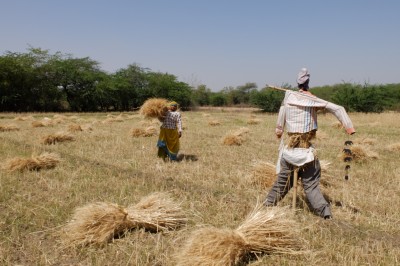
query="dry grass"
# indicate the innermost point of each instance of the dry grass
(154, 108)
(57, 137)
(209, 183)
(44, 161)
(9, 127)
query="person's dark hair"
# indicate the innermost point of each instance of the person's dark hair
(303, 86)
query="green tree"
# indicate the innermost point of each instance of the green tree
(129, 88)
(167, 86)
(218, 99)
(346, 95)
(369, 99)
(78, 78)
(201, 95)
(269, 100)
(244, 91)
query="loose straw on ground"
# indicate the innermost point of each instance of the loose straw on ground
(44, 161)
(99, 223)
(154, 108)
(271, 230)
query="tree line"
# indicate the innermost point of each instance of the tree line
(44, 82)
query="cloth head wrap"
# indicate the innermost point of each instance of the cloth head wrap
(303, 76)
(173, 103)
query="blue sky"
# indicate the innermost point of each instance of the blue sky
(218, 43)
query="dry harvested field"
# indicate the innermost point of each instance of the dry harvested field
(100, 157)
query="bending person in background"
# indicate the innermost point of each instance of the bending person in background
(298, 115)
(170, 132)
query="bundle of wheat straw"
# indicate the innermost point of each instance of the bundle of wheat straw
(368, 141)
(212, 246)
(254, 121)
(269, 230)
(74, 127)
(394, 147)
(57, 137)
(98, 223)
(147, 132)
(324, 165)
(44, 161)
(23, 118)
(4, 128)
(264, 174)
(214, 123)
(360, 154)
(95, 223)
(232, 139)
(235, 138)
(154, 108)
(321, 135)
(157, 212)
(38, 124)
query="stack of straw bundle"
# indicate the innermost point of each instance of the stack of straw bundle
(99, 223)
(154, 108)
(44, 161)
(264, 231)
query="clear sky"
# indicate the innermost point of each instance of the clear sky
(218, 43)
